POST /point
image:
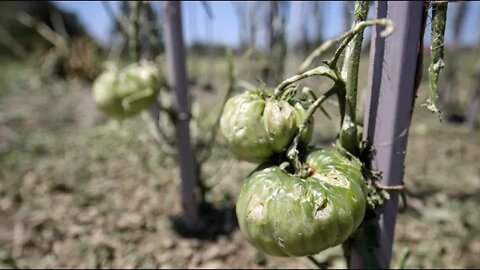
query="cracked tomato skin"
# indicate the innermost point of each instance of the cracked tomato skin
(113, 87)
(284, 215)
(256, 127)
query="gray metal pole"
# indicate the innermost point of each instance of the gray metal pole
(388, 112)
(178, 79)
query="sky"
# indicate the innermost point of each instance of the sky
(225, 25)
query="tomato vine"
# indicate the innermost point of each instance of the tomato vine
(256, 200)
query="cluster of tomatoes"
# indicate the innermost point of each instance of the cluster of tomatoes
(279, 211)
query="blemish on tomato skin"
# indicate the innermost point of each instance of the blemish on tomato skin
(257, 212)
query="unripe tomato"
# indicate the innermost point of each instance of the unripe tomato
(255, 126)
(124, 93)
(105, 93)
(285, 215)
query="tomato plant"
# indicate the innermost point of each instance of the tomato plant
(300, 201)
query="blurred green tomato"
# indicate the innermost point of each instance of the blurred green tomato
(124, 93)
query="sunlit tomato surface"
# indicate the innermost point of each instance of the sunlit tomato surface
(255, 126)
(285, 215)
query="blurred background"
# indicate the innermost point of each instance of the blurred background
(80, 190)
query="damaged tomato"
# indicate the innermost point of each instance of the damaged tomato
(285, 215)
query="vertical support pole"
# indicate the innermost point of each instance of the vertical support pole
(393, 68)
(174, 47)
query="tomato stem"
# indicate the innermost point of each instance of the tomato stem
(308, 91)
(347, 81)
(160, 137)
(133, 30)
(346, 37)
(358, 29)
(301, 170)
(439, 19)
(318, 71)
(348, 134)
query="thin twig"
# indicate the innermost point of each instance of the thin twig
(309, 91)
(58, 23)
(117, 48)
(318, 71)
(311, 110)
(292, 152)
(121, 19)
(133, 33)
(404, 255)
(358, 29)
(153, 27)
(329, 43)
(157, 134)
(208, 10)
(46, 32)
(7, 39)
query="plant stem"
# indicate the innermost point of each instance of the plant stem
(312, 95)
(121, 19)
(358, 29)
(320, 71)
(404, 255)
(352, 60)
(315, 105)
(292, 152)
(439, 19)
(348, 133)
(133, 33)
(43, 30)
(160, 137)
(346, 37)
(155, 32)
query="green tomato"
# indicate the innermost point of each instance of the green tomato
(124, 93)
(285, 215)
(105, 94)
(255, 127)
